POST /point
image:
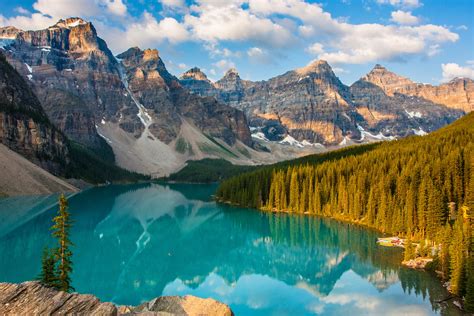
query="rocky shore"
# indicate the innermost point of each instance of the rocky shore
(32, 298)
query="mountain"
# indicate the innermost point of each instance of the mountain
(384, 107)
(129, 104)
(311, 105)
(456, 94)
(25, 127)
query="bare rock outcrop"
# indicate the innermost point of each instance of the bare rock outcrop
(31, 298)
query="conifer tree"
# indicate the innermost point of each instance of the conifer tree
(61, 227)
(47, 275)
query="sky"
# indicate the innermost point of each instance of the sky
(429, 41)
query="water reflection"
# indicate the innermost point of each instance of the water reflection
(137, 242)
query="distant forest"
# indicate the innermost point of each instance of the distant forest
(421, 188)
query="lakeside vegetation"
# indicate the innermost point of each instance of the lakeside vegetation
(207, 170)
(97, 167)
(420, 188)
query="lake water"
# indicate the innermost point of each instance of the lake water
(136, 242)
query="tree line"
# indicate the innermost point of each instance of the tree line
(420, 188)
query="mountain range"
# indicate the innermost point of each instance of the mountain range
(133, 112)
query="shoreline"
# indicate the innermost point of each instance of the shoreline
(406, 264)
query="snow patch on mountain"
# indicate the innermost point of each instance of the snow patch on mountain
(419, 132)
(413, 114)
(260, 136)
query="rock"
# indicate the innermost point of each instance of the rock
(25, 127)
(184, 305)
(32, 298)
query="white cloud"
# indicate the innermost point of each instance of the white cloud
(453, 70)
(116, 7)
(215, 21)
(316, 49)
(148, 32)
(364, 43)
(404, 18)
(182, 66)
(263, 24)
(22, 10)
(174, 3)
(339, 70)
(223, 65)
(33, 22)
(258, 55)
(401, 3)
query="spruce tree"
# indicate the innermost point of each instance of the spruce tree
(61, 227)
(47, 275)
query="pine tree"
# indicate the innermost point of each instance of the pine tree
(61, 227)
(469, 298)
(409, 251)
(47, 276)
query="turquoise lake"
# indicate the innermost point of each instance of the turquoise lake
(136, 242)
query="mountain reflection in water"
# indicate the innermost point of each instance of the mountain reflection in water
(136, 242)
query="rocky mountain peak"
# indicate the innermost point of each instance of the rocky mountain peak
(232, 72)
(316, 66)
(385, 79)
(9, 32)
(137, 56)
(195, 74)
(70, 23)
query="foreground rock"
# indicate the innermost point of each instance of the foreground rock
(31, 298)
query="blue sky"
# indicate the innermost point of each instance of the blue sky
(428, 41)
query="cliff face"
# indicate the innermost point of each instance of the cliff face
(75, 77)
(312, 105)
(24, 127)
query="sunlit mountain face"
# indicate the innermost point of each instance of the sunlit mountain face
(136, 242)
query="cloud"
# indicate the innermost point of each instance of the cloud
(316, 49)
(258, 55)
(453, 70)
(269, 25)
(224, 65)
(364, 43)
(182, 66)
(174, 3)
(401, 3)
(214, 21)
(116, 7)
(404, 18)
(22, 11)
(147, 32)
